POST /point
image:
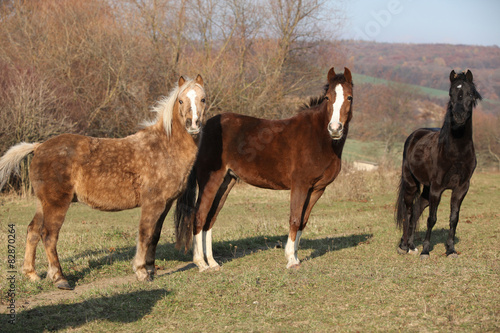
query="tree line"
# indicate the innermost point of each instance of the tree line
(96, 67)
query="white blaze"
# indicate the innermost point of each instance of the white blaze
(337, 105)
(192, 97)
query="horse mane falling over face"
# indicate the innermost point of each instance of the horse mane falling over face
(148, 169)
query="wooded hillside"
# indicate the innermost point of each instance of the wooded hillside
(96, 67)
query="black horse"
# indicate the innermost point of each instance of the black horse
(439, 159)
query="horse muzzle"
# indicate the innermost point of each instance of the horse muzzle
(194, 131)
(193, 128)
(336, 130)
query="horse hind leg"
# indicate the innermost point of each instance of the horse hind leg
(151, 250)
(32, 238)
(408, 197)
(152, 216)
(53, 219)
(418, 207)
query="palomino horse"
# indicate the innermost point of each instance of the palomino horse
(148, 169)
(301, 154)
(438, 159)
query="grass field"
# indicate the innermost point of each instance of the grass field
(350, 279)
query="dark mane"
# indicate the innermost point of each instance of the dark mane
(315, 101)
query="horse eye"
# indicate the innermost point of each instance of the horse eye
(180, 101)
(203, 100)
(326, 97)
(349, 98)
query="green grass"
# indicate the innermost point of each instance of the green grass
(431, 92)
(350, 279)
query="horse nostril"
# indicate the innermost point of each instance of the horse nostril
(198, 123)
(188, 122)
(335, 127)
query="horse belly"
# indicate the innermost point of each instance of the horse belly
(419, 158)
(108, 192)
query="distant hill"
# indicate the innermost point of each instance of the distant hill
(426, 65)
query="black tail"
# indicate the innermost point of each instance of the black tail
(401, 214)
(185, 213)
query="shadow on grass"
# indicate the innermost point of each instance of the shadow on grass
(229, 250)
(224, 251)
(438, 236)
(124, 308)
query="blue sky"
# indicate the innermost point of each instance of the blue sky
(471, 22)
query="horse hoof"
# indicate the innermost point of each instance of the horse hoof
(453, 255)
(215, 268)
(64, 285)
(33, 277)
(401, 251)
(424, 257)
(142, 276)
(202, 269)
(294, 267)
(413, 251)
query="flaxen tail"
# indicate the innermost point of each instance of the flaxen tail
(12, 158)
(185, 213)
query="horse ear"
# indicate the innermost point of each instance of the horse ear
(181, 81)
(331, 74)
(347, 75)
(453, 75)
(199, 80)
(468, 76)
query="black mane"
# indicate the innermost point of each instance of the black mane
(315, 101)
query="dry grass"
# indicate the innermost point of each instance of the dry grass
(351, 278)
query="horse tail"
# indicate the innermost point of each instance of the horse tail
(12, 158)
(401, 215)
(401, 212)
(185, 213)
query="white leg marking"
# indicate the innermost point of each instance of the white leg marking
(291, 250)
(337, 106)
(207, 239)
(198, 252)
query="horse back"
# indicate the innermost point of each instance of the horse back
(266, 153)
(106, 174)
(427, 160)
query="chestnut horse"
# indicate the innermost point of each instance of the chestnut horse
(438, 159)
(148, 169)
(301, 154)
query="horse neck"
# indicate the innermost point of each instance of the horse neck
(457, 136)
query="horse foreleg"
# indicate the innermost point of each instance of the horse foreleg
(151, 250)
(32, 239)
(292, 246)
(208, 191)
(300, 199)
(434, 199)
(457, 196)
(207, 248)
(217, 205)
(149, 232)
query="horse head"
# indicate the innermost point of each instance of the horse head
(463, 97)
(191, 104)
(339, 102)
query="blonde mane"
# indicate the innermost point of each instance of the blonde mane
(164, 108)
